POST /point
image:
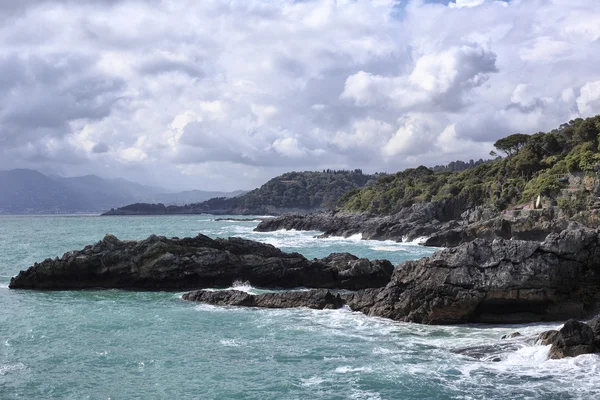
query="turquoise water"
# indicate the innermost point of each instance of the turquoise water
(127, 345)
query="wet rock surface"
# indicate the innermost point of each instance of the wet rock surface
(316, 299)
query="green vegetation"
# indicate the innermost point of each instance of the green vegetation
(457, 166)
(573, 204)
(301, 190)
(305, 190)
(534, 164)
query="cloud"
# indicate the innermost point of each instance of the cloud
(413, 137)
(100, 148)
(223, 95)
(588, 101)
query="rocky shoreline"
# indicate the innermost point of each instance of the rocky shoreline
(500, 281)
(431, 224)
(503, 281)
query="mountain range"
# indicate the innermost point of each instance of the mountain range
(26, 191)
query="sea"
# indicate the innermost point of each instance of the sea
(114, 344)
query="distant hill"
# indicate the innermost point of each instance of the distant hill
(290, 192)
(28, 191)
(25, 191)
(192, 196)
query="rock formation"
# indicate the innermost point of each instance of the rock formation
(158, 263)
(434, 223)
(503, 281)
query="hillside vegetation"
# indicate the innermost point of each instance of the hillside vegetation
(531, 165)
(306, 191)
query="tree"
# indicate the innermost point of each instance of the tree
(586, 131)
(512, 144)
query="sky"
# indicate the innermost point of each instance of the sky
(225, 94)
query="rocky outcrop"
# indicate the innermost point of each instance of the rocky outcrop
(158, 263)
(480, 223)
(500, 281)
(436, 224)
(317, 299)
(573, 339)
(418, 221)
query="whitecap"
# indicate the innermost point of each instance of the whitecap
(242, 286)
(346, 369)
(230, 342)
(4, 369)
(359, 394)
(312, 381)
(386, 248)
(416, 241)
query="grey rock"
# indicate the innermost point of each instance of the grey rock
(574, 338)
(595, 325)
(317, 299)
(500, 281)
(548, 337)
(443, 224)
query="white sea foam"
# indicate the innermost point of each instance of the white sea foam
(353, 238)
(242, 286)
(364, 395)
(3, 286)
(230, 342)
(347, 368)
(312, 381)
(7, 368)
(386, 248)
(416, 241)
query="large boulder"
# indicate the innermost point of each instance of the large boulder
(158, 263)
(573, 339)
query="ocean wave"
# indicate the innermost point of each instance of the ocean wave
(231, 342)
(242, 286)
(5, 369)
(312, 381)
(416, 241)
(347, 368)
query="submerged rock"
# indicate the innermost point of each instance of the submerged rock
(317, 299)
(158, 263)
